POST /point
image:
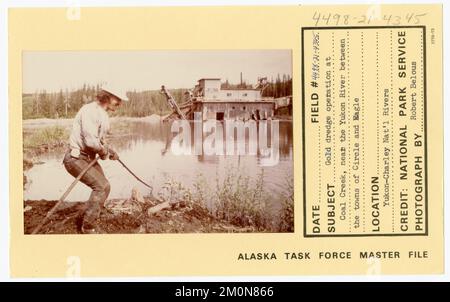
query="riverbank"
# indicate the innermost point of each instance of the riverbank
(41, 136)
(189, 219)
(63, 122)
(67, 123)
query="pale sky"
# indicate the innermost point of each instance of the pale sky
(148, 70)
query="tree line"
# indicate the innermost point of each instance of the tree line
(280, 87)
(65, 103)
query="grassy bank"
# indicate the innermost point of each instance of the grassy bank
(238, 199)
(46, 137)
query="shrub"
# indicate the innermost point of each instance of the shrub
(286, 223)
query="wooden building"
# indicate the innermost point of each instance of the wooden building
(215, 102)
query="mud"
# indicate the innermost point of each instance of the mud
(67, 220)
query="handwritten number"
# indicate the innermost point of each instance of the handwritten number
(316, 17)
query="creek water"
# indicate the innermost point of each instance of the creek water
(144, 148)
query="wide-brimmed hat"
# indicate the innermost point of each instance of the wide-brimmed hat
(116, 91)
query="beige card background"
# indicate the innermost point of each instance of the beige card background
(212, 254)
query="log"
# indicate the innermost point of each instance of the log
(159, 207)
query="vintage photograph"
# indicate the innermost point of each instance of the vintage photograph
(185, 141)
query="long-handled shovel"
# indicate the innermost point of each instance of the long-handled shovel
(50, 213)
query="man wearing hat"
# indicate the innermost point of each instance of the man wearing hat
(87, 139)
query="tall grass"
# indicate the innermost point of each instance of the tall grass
(286, 222)
(237, 198)
(50, 136)
(243, 201)
(174, 191)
